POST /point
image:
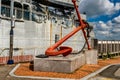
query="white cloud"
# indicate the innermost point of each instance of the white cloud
(116, 30)
(109, 23)
(108, 30)
(103, 26)
(117, 6)
(106, 26)
(117, 19)
(97, 7)
(103, 33)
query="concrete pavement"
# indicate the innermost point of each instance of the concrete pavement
(4, 73)
(111, 73)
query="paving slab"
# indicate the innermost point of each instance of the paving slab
(4, 73)
(117, 73)
(111, 72)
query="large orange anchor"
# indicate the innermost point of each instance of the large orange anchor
(65, 50)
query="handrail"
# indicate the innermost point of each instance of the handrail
(6, 14)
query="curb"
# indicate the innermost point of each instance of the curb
(33, 77)
(49, 78)
(96, 72)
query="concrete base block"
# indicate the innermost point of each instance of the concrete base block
(91, 56)
(59, 63)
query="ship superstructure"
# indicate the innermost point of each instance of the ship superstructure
(38, 26)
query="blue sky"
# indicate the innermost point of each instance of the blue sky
(105, 14)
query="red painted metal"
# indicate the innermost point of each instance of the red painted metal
(81, 23)
(65, 50)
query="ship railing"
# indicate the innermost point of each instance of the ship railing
(20, 55)
(22, 14)
(65, 1)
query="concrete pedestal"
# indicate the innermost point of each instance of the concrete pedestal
(59, 63)
(91, 56)
(66, 64)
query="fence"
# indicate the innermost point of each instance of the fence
(19, 55)
(111, 47)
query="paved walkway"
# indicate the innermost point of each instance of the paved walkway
(4, 73)
(111, 73)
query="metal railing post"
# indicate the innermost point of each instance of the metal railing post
(0, 8)
(11, 61)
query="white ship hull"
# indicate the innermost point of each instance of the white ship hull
(30, 36)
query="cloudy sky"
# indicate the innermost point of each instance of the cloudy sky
(105, 14)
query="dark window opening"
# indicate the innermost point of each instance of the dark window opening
(26, 12)
(5, 8)
(18, 10)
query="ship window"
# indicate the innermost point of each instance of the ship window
(18, 10)
(5, 8)
(26, 12)
(5, 2)
(5, 11)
